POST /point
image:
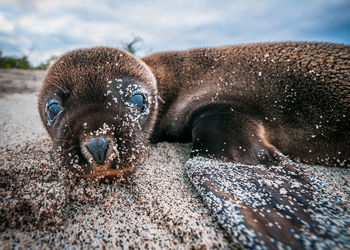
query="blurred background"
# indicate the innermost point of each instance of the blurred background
(34, 32)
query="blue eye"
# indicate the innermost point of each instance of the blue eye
(139, 101)
(53, 108)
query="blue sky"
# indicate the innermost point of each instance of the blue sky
(42, 28)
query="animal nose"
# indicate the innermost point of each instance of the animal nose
(98, 148)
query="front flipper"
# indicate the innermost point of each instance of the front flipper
(269, 206)
(256, 205)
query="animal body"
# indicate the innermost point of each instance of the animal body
(253, 104)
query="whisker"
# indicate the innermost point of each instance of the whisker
(62, 140)
(70, 148)
(69, 125)
(63, 89)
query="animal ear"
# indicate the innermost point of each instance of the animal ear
(262, 206)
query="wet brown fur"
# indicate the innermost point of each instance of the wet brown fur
(298, 92)
(301, 96)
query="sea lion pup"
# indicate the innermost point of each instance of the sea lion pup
(99, 107)
(247, 104)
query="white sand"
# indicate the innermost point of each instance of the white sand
(39, 207)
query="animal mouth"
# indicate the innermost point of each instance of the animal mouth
(103, 171)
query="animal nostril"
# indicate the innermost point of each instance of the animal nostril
(98, 148)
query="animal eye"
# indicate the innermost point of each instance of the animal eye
(53, 108)
(139, 101)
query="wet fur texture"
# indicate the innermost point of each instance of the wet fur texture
(298, 92)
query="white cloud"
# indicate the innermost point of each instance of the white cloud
(6, 25)
(36, 24)
(58, 25)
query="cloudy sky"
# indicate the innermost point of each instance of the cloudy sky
(42, 28)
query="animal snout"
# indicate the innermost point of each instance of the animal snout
(98, 149)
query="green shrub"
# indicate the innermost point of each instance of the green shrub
(130, 46)
(8, 62)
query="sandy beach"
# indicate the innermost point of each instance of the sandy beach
(157, 208)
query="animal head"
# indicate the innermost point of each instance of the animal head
(99, 106)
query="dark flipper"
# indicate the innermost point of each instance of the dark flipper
(266, 205)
